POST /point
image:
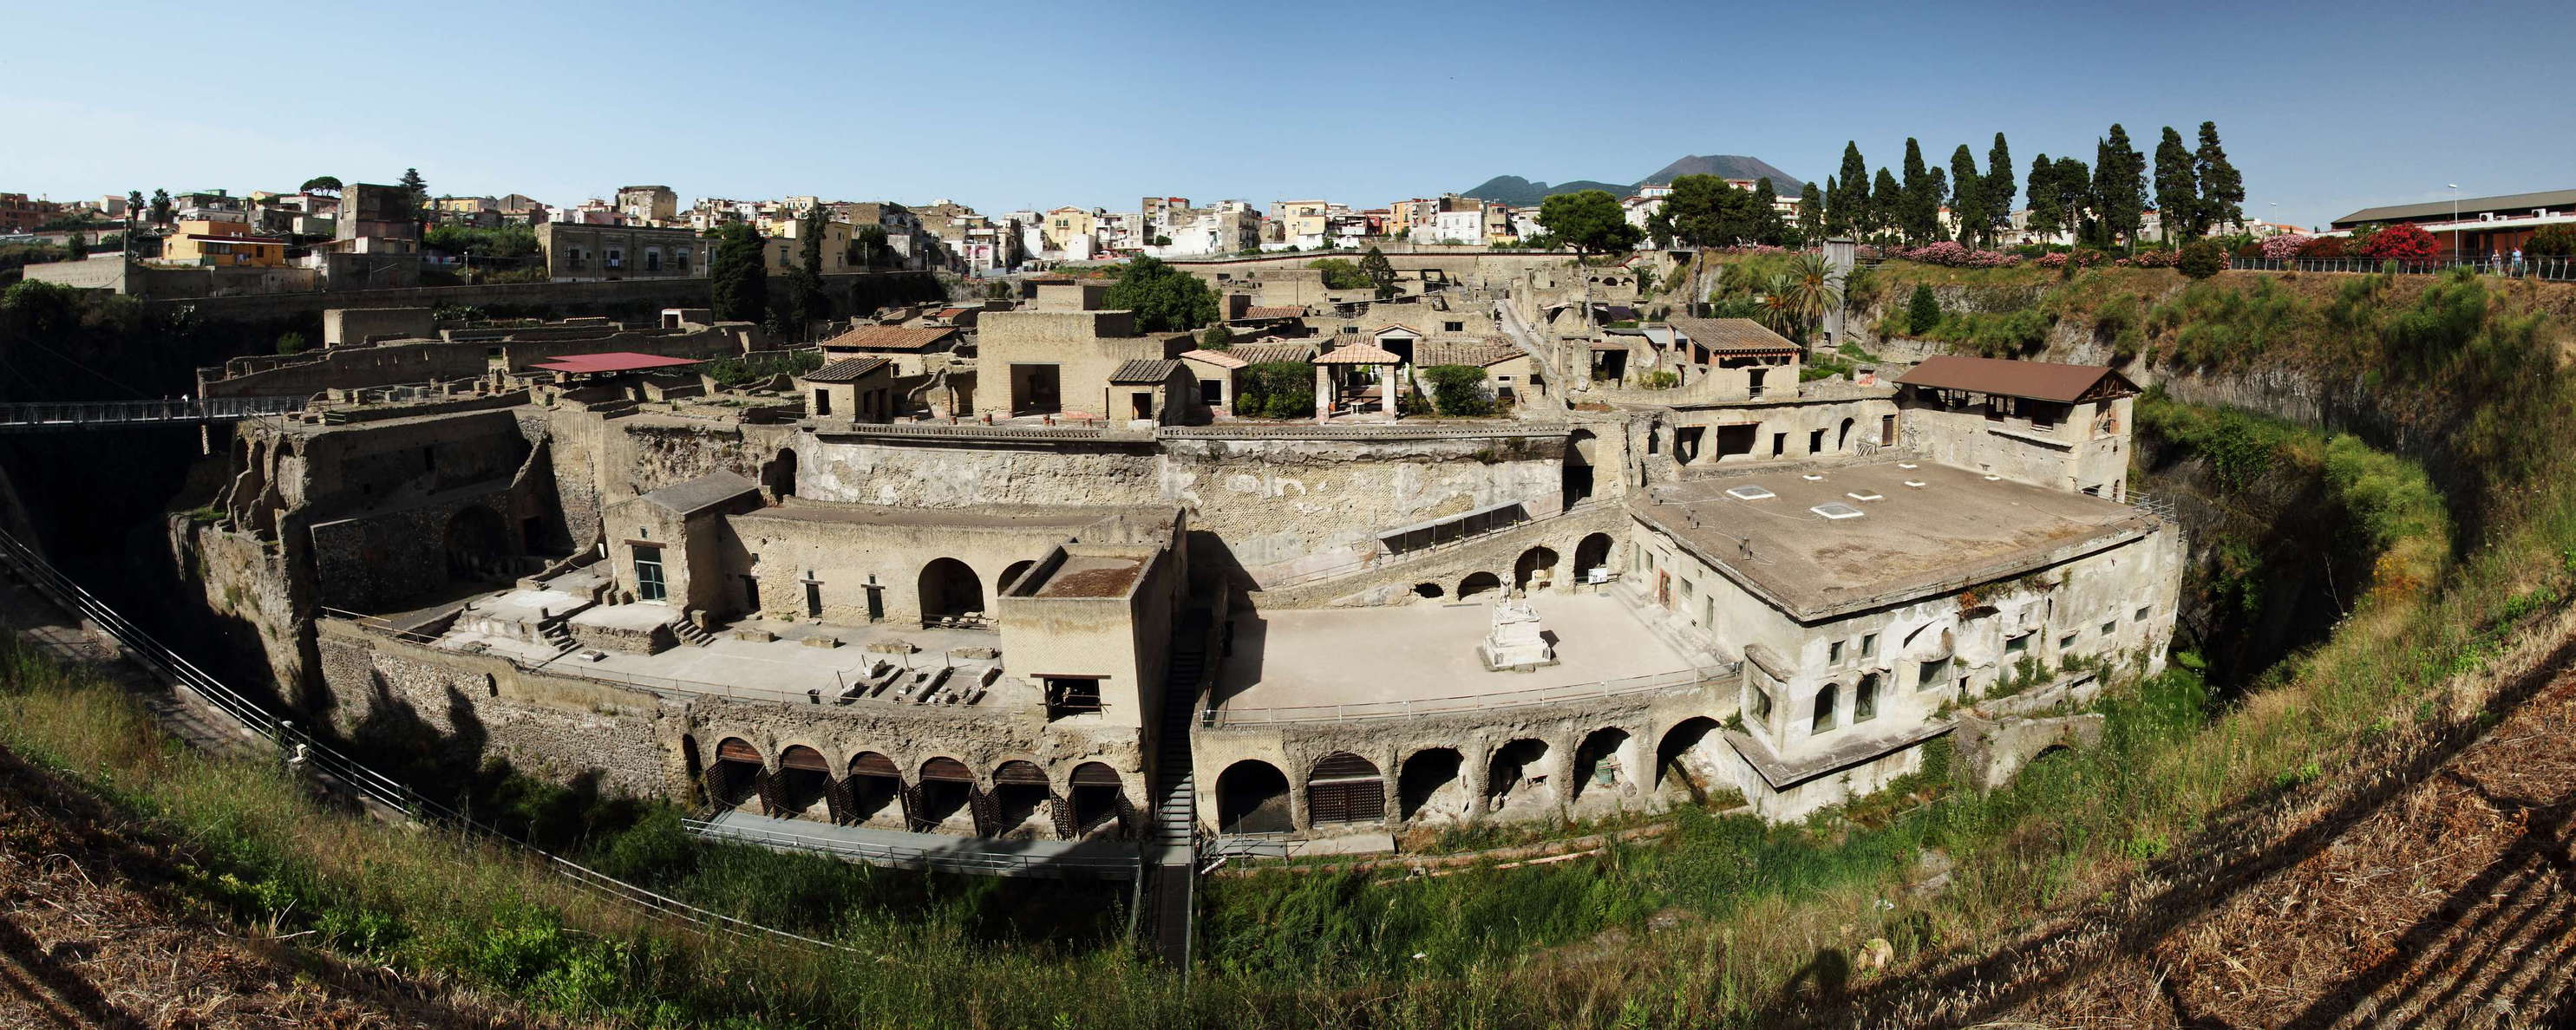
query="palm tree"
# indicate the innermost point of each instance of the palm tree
(1777, 307)
(1811, 288)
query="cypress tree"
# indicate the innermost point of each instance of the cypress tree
(1766, 213)
(1920, 214)
(1886, 204)
(2074, 185)
(1848, 205)
(2177, 196)
(2045, 217)
(2119, 186)
(2222, 190)
(1967, 196)
(1811, 212)
(737, 278)
(1999, 189)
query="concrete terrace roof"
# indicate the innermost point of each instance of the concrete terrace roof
(888, 337)
(1732, 335)
(1956, 530)
(1144, 370)
(848, 370)
(707, 491)
(2037, 380)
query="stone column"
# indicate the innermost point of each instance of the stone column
(1323, 393)
(1386, 386)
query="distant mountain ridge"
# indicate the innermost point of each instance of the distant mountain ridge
(1520, 192)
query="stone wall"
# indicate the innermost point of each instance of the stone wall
(551, 727)
(865, 290)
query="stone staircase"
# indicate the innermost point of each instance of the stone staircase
(1671, 627)
(559, 634)
(690, 633)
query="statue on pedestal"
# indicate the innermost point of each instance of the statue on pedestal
(1517, 641)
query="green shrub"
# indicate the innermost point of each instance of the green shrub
(1923, 311)
(290, 342)
(1276, 389)
(1459, 390)
(2202, 259)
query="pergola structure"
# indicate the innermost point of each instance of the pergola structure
(1329, 377)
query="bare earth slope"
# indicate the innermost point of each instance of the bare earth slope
(2437, 891)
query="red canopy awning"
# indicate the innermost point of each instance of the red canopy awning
(613, 361)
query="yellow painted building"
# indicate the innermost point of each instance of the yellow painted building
(1067, 223)
(222, 245)
(785, 251)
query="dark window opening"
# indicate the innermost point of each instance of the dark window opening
(1072, 695)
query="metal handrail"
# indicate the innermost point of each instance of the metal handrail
(967, 860)
(1217, 716)
(339, 771)
(89, 413)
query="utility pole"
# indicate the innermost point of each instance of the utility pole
(2455, 221)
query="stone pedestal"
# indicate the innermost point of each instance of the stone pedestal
(1517, 640)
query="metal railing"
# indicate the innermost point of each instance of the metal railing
(1222, 716)
(2160, 507)
(86, 414)
(347, 775)
(968, 857)
(2558, 269)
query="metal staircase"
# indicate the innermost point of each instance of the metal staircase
(1171, 849)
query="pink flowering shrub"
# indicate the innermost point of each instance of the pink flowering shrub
(2052, 259)
(2285, 246)
(2156, 259)
(1950, 253)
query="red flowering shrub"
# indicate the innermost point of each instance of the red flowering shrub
(2323, 247)
(2403, 241)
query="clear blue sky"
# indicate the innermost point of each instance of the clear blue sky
(2325, 107)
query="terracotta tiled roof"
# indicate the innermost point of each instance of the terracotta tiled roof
(888, 337)
(848, 370)
(1733, 336)
(1266, 353)
(1220, 359)
(1463, 352)
(2037, 380)
(1358, 354)
(1144, 370)
(1277, 312)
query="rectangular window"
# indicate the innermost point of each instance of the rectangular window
(2066, 642)
(822, 402)
(2017, 645)
(1761, 707)
(648, 574)
(1865, 699)
(2143, 613)
(2110, 627)
(1816, 442)
(1453, 327)
(1072, 695)
(1834, 653)
(1868, 645)
(1931, 674)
